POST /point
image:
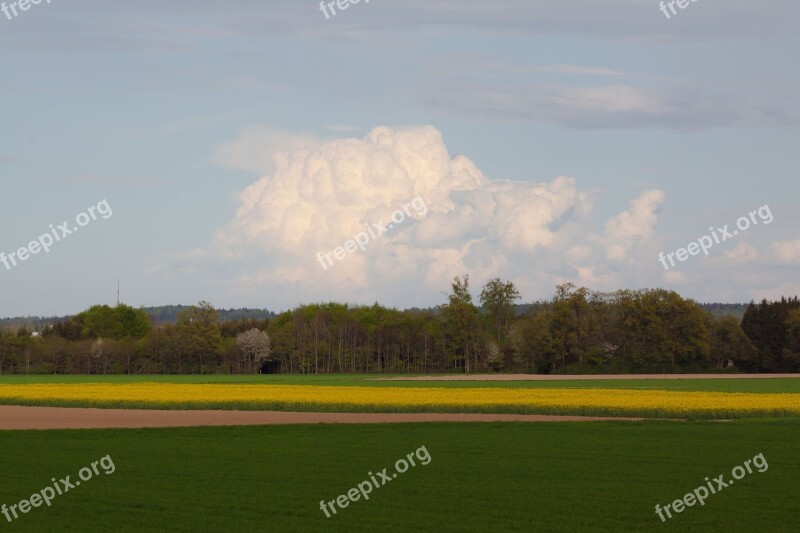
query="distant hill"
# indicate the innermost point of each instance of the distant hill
(720, 310)
(168, 314)
(31, 323)
(716, 309)
(165, 314)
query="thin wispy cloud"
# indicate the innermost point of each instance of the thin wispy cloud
(607, 106)
(110, 179)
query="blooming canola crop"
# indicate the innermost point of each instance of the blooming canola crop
(653, 403)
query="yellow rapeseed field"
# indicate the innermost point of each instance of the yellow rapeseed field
(653, 403)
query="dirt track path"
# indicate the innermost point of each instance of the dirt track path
(19, 417)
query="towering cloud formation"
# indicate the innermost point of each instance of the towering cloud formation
(320, 196)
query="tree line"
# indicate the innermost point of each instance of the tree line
(576, 331)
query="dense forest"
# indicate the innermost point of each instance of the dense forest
(577, 331)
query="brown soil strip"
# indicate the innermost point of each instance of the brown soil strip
(547, 377)
(19, 417)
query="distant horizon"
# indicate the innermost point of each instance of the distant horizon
(278, 312)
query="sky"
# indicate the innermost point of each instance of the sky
(253, 154)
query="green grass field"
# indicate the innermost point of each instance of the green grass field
(482, 477)
(790, 385)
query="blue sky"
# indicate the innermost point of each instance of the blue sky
(551, 141)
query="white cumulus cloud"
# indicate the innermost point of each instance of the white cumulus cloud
(322, 194)
(787, 251)
(632, 227)
(743, 253)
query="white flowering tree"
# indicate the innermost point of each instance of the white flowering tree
(99, 352)
(255, 347)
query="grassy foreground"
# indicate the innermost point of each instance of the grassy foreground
(482, 477)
